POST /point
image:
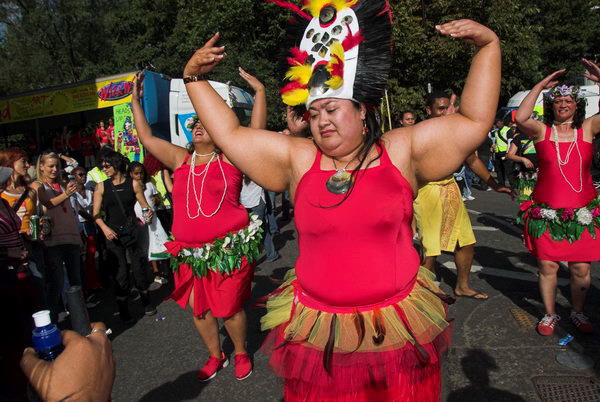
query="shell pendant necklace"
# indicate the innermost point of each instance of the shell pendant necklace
(341, 181)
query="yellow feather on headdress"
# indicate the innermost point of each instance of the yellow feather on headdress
(301, 74)
(314, 6)
(336, 66)
(295, 97)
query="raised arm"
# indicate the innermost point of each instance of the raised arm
(594, 75)
(54, 201)
(170, 155)
(263, 155)
(527, 124)
(259, 109)
(432, 158)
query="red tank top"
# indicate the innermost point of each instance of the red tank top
(551, 187)
(360, 252)
(231, 217)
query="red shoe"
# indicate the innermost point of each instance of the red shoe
(212, 366)
(581, 322)
(546, 325)
(243, 366)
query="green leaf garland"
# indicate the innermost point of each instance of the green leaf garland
(223, 255)
(561, 223)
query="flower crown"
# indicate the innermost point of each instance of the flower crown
(565, 90)
(190, 122)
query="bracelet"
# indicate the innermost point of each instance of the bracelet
(194, 78)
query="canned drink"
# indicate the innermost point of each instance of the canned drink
(145, 212)
(565, 341)
(34, 227)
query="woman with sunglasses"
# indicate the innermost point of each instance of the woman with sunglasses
(63, 242)
(117, 197)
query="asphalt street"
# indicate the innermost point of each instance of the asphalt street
(494, 357)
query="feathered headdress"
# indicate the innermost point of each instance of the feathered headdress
(344, 51)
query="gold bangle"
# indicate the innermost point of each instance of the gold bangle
(194, 78)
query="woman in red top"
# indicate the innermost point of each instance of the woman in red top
(361, 321)
(216, 242)
(561, 223)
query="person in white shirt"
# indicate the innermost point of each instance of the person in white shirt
(157, 237)
(252, 198)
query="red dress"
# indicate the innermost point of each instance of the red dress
(361, 322)
(223, 295)
(552, 189)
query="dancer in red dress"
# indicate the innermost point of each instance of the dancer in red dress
(562, 221)
(361, 321)
(216, 242)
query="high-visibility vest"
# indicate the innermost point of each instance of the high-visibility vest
(502, 140)
(97, 175)
(529, 148)
(160, 187)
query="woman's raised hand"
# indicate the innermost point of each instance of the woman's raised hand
(469, 31)
(138, 86)
(251, 80)
(552, 79)
(205, 58)
(593, 70)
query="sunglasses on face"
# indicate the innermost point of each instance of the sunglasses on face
(106, 166)
(80, 174)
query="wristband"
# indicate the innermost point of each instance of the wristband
(194, 78)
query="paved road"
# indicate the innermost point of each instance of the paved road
(492, 358)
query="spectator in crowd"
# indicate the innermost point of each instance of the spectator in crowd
(252, 198)
(117, 197)
(15, 334)
(110, 132)
(24, 201)
(522, 152)
(407, 119)
(102, 136)
(156, 236)
(63, 242)
(81, 202)
(501, 136)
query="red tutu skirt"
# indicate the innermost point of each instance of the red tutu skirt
(223, 295)
(388, 353)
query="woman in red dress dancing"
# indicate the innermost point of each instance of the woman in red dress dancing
(216, 241)
(562, 220)
(361, 321)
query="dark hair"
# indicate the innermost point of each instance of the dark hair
(134, 165)
(372, 137)
(579, 116)
(116, 160)
(432, 96)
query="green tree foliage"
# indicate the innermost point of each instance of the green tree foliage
(51, 42)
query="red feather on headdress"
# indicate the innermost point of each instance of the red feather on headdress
(351, 40)
(298, 57)
(291, 86)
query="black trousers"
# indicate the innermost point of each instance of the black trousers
(140, 267)
(504, 169)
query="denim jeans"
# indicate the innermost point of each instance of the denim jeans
(261, 211)
(270, 214)
(61, 257)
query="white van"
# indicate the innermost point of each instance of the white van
(182, 112)
(591, 92)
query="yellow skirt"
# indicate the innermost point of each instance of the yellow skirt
(442, 219)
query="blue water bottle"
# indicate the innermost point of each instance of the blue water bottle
(46, 336)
